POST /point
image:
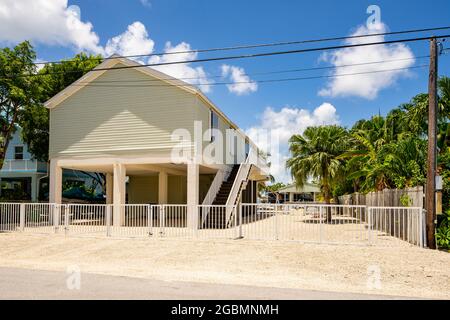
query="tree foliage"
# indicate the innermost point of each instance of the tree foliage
(315, 154)
(378, 153)
(18, 90)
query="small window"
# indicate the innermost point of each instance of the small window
(214, 124)
(247, 148)
(18, 152)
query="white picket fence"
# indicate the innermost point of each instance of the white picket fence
(315, 223)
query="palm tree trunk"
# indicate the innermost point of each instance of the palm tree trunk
(327, 198)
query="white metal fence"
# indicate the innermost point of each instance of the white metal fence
(306, 222)
(315, 223)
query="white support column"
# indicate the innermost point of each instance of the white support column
(34, 188)
(163, 184)
(55, 182)
(192, 195)
(119, 194)
(291, 197)
(109, 188)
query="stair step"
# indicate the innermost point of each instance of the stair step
(221, 199)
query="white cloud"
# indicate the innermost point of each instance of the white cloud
(367, 85)
(47, 22)
(146, 3)
(242, 83)
(184, 71)
(133, 41)
(275, 129)
(54, 23)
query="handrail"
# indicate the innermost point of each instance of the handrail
(221, 176)
(20, 164)
(241, 176)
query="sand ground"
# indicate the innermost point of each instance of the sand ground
(404, 270)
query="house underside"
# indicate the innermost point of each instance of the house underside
(159, 182)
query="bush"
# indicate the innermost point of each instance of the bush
(443, 232)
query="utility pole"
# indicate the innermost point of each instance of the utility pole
(432, 146)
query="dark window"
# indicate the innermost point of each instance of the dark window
(214, 124)
(18, 152)
(247, 148)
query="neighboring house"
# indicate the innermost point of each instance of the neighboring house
(122, 123)
(21, 173)
(25, 178)
(293, 193)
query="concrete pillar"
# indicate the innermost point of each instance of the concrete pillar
(192, 195)
(55, 182)
(34, 188)
(163, 184)
(291, 197)
(109, 188)
(119, 194)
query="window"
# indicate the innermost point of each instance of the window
(213, 124)
(247, 148)
(18, 152)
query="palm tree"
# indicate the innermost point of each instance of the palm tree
(444, 109)
(367, 159)
(408, 162)
(315, 154)
(415, 113)
(385, 154)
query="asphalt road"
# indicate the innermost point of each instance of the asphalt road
(33, 284)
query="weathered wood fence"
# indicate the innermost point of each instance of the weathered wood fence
(414, 197)
(385, 218)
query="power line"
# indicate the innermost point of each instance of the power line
(255, 55)
(263, 45)
(272, 72)
(248, 82)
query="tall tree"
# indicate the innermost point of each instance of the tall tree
(18, 90)
(315, 155)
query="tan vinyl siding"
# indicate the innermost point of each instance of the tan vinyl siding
(119, 112)
(177, 190)
(143, 190)
(203, 115)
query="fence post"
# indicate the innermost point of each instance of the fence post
(162, 220)
(240, 220)
(22, 217)
(108, 220)
(236, 219)
(369, 224)
(56, 215)
(276, 222)
(66, 217)
(320, 224)
(150, 219)
(422, 237)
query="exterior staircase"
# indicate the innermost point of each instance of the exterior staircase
(225, 188)
(217, 216)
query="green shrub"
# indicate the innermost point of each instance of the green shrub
(405, 200)
(443, 233)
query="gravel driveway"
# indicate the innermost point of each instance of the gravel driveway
(400, 271)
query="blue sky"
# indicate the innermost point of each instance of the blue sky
(205, 24)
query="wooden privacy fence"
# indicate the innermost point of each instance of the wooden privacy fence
(387, 198)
